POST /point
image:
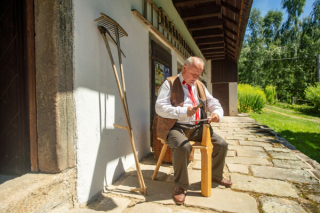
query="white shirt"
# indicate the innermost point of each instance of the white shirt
(165, 109)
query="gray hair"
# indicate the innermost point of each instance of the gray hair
(190, 61)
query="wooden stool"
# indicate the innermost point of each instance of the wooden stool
(205, 147)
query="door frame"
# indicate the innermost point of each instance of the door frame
(153, 58)
(29, 47)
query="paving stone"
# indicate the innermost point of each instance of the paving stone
(157, 191)
(250, 153)
(248, 161)
(239, 168)
(290, 164)
(280, 205)
(256, 148)
(260, 185)
(231, 153)
(223, 200)
(314, 198)
(149, 207)
(284, 149)
(80, 210)
(294, 175)
(235, 138)
(251, 143)
(280, 155)
(194, 177)
(232, 142)
(170, 178)
(147, 171)
(197, 156)
(316, 173)
(112, 204)
(266, 140)
(197, 165)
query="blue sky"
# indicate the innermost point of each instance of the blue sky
(265, 5)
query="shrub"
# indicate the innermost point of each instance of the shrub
(313, 95)
(250, 98)
(270, 94)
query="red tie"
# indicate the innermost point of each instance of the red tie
(193, 100)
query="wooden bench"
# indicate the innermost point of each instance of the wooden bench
(205, 147)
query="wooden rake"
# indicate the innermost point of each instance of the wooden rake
(106, 25)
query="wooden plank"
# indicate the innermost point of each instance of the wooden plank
(182, 3)
(32, 85)
(215, 40)
(226, 18)
(212, 46)
(220, 50)
(230, 7)
(202, 24)
(231, 31)
(231, 39)
(206, 162)
(201, 12)
(216, 59)
(207, 33)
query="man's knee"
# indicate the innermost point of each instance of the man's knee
(185, 147)
(219, 141)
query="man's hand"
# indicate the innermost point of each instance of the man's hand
(191, 111)
(214, 117)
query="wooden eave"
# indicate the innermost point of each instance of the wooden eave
(217, 26)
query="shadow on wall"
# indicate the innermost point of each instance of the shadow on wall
(110, 150)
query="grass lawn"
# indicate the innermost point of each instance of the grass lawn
(303, 134)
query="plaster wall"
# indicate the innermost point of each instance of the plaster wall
(103, 152)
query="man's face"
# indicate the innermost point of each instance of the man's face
(191, 73)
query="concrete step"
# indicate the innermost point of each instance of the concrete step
(38, 193)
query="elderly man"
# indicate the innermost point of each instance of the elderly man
(176, 109)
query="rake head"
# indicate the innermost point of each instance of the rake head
(111, 25)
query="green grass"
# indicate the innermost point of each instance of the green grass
(303, 134)
(292, 112)
(302, 108)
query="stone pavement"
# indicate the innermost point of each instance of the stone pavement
(266, 175)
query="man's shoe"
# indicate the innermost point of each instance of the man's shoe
(223, 182)
(178, 195)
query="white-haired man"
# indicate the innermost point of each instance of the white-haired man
(176, 108)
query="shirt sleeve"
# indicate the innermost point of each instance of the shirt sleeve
(164, 107)
(213, 105)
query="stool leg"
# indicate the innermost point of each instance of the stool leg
(162, 153)
(206, 162)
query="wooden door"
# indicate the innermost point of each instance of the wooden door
(161, 68)
(14, 142)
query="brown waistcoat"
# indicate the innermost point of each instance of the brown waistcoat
(162, 125)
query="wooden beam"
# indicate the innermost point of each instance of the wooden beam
(203, 24)
(182, 3)
(230, 7)
(216, 50)
(207, 33)
(212, 46)
(231, 39)
(216, 59)
(214, 54)
(201, 12)
(231, 31)
(228, 44)
(226, 18)
(215, 40)
(31, 67)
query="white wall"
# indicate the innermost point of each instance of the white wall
(103, 152)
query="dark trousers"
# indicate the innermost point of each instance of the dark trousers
(178, 140)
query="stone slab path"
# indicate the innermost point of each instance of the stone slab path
(267, 178)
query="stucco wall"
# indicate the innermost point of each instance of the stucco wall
(103, 152)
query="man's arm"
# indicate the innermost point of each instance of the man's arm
(214, 106)
(164, 107)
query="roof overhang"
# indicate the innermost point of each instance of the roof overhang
(217, 26)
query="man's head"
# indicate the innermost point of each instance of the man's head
(192, 69)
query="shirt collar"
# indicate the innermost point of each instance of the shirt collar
(181, 79)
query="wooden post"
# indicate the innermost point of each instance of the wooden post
(206, 162)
